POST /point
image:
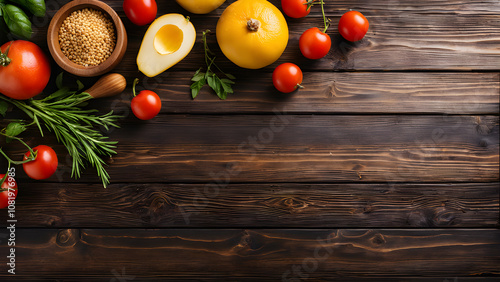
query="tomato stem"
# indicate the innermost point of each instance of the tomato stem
(327, 21)
(299, 86)
(133, 86)
(4, 58)
(31, 157)
(310, 3)
(3, 180)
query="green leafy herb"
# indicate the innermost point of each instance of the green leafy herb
(17, 21)
(3, 108)
(13, 129)
(222, 87)
(36, 7)
(76, 128)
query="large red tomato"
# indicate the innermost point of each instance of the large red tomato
(24, 70)
(4, 194)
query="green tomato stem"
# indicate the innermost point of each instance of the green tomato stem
(327, 22)
(4, 57)
(29, 159)
(3, 179)
(133, 86)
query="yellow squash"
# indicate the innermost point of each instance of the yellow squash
(200, 6)
(252, 33)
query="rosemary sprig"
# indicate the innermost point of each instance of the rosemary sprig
(62, 113)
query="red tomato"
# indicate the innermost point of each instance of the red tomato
(287, 77)
(295, 8)
(140, 12)
(28, 72)
(314, 44)
(4, 196)
(146, 105)
(44, 165)
(353, 26)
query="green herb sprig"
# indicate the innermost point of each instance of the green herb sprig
(63, 114)
(222, 87)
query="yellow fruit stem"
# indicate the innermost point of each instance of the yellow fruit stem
(253, 25)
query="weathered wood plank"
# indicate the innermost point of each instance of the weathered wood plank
(300, 148)
(258, 205)
(403, 35)
(401, 93)
(254, 254)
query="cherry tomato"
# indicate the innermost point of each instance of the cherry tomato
(44, 165)
(287, 77)
(353, 26)
(28, 71)
(146, 105)
(314, 44)
(9, 182)
(140, 12)
(295, 8)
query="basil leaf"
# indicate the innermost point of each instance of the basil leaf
(196, 87)
(219, 88)
(230, 76)
(14, 129)
(36, 7)
(197, 76)
(227, 87)
(17, 21)
(3, 108)
(211, 82)
(80, 85)
(222, 95)
(227, 81)
(59, 80)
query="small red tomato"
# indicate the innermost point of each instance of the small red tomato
(295, 8)
(314, 44)
(140, 12)
(24, 71)
(9, 182)
(353, 26)
(44, 164)
(287, 77)
(146, 105)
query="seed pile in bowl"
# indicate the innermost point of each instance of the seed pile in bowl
(87, 37)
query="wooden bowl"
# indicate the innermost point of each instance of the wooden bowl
(76, 69)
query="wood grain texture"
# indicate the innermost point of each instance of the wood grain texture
(255, 254)
(403, 35)
(258, 205)
(327, 92)
(369, 144)
(299, 148)
(303, 148)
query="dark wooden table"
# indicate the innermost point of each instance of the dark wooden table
(384, 168)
